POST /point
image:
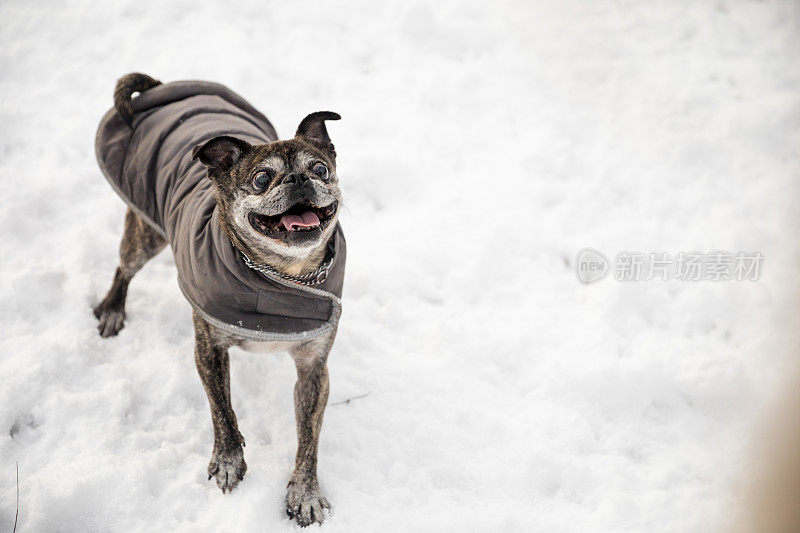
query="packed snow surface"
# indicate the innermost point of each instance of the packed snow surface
(482, 146)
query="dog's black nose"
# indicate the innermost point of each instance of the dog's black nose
(297, 179)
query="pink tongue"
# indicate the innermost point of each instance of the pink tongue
(308, 219)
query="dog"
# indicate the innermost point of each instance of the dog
(253, 226)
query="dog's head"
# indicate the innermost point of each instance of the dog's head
(280, 198)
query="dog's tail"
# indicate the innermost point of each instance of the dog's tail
(126, 86)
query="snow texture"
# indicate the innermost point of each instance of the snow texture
(482, 146)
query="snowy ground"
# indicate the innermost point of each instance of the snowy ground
(481, 148)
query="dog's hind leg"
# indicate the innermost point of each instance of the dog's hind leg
(140, 242)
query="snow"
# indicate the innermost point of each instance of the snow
(481, 147)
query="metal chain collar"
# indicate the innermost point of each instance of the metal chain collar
(312, 278)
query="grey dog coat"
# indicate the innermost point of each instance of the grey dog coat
(150, 165)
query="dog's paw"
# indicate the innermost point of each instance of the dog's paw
(110, 320)
(304, 500)
(228, 468)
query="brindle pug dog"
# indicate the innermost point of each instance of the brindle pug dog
(255, 188)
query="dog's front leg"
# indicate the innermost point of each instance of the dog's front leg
(304, 500)
(213, 364)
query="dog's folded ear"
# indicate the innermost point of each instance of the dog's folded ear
(313, 128)
(220, 153)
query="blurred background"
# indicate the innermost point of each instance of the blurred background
(482, 146)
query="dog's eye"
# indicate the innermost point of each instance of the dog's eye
(261, 180)
(320, 170)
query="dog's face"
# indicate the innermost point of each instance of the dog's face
(279, 198)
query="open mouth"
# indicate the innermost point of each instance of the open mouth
(303, 217)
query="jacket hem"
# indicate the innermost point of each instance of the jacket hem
(256, 335)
